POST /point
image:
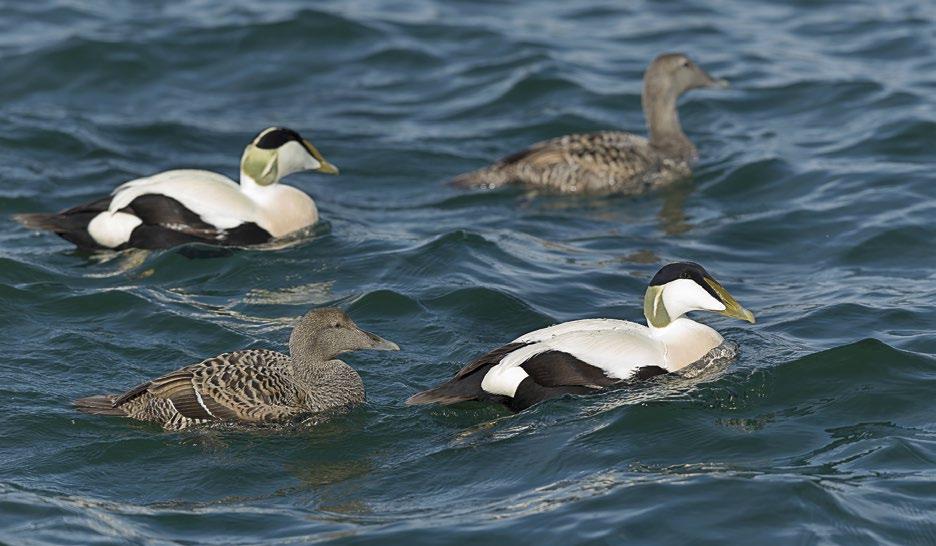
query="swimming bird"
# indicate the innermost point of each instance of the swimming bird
(255, 385)
(187, 205)
(612, 161)
(588, 355)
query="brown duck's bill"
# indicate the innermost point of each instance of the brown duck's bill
(718, 83)
(732, 307)
(378, 343)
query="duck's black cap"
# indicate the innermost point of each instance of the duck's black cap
(684, 270)
(277, 137)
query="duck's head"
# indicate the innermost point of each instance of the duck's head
(672, 74)
(326, 333)
(680, 287)
(278, 152)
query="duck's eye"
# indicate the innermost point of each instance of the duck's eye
(336, 325)
(685, 64)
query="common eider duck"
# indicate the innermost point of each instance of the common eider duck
(187, 205)
(612, 161)
(255, 385)
(586, 356)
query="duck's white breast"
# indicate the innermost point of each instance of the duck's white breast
(281, 209)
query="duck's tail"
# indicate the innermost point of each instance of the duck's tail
(71, 227)
(70, 224)
(39, 220)
(102, 404)
(461, 388)
(490, 177)
(466, 385)
(449, 393)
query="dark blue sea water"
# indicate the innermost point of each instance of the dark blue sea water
(813, 203)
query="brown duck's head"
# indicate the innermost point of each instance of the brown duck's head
(673, 74)
(326, 333)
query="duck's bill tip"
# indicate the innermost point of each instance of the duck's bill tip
(380, 344)
(739, 313)
(328, 168)
(390, 346)
(732, 309)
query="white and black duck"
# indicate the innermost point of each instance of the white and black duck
(586, 356)
(254, 385)
(187, 205)
(612, 161)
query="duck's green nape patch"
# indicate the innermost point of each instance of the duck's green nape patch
(654, 309)
(260, 165)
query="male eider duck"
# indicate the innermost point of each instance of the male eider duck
(612, 161)
(187, 205)
(255, 385)
(585, 356)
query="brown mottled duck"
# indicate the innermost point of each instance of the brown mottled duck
(612, 161)
(255, 385)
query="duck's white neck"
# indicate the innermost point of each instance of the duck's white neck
(685, 341)
(250, 186)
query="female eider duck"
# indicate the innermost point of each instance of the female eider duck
(187, 205)
(612, 161)
(585, 356)
(255, 385)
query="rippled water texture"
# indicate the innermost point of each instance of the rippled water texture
(813, 202)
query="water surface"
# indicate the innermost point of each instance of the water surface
(813, 203)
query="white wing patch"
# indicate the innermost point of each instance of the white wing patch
(201, 402)
(618, 352)
(503, 380)
(582, 325)
(618, 347)
(215, 198)
(112, 229)
(221, 202)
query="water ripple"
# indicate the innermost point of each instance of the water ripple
(812, 203)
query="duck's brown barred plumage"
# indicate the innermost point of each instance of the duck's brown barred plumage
(612, 161)
(256, 385)
(592, 163)
(248, 386)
